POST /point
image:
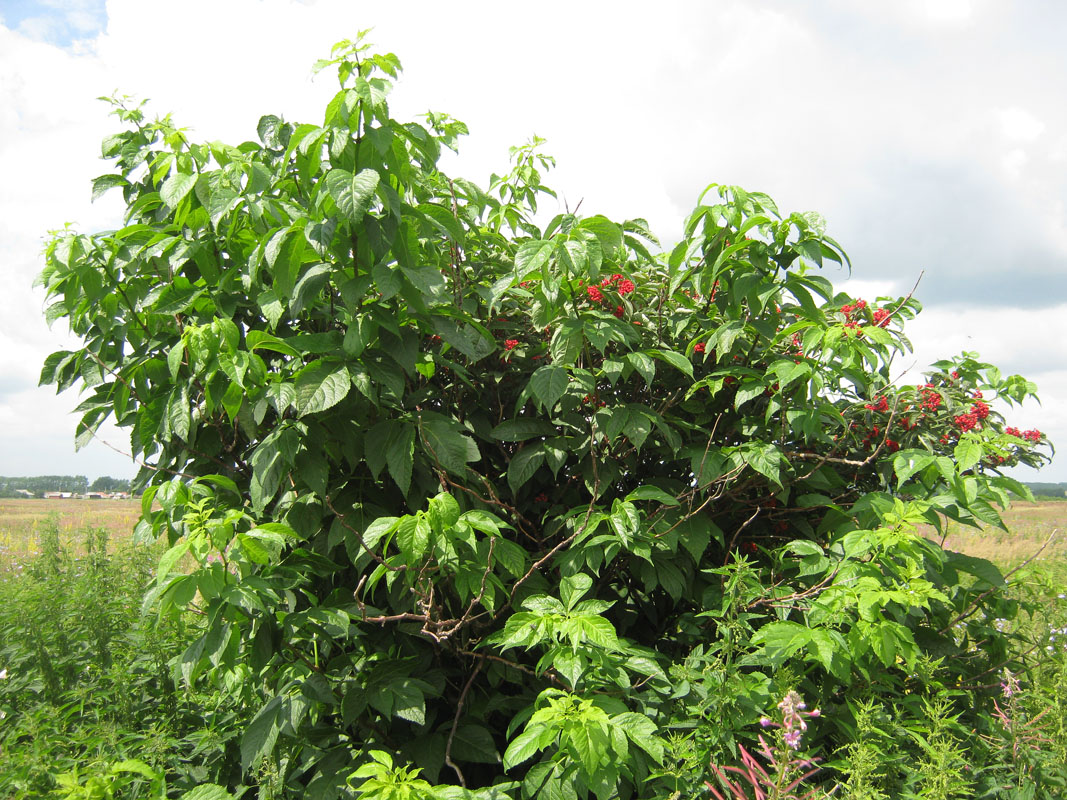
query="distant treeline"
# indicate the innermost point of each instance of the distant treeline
(77, 484)
(1054, 490)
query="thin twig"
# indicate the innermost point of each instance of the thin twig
(455, 722)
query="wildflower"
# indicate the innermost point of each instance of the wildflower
(1010, 685)
(794, 719)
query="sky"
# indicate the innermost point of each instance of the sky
(931, 135)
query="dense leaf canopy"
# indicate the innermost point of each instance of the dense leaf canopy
(522, 502)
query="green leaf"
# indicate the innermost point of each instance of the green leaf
(649, 492)
(474, 744)
(548, 384)
(447, 446)
(179, 417)
(781, 640)
(522, 428)
(573, 588)
(104, 183)
(170, 559)
(981, 568)
(413, 535)
(319, 386)
(967, 453)
(207, 791)
(523, 465)
(907, 462)
(531, 257)
(676, 360)
(767, 460)
(399, 452)
(175, 188)
(261, 734)
(523, 747)
(643, 364)
(352, 193)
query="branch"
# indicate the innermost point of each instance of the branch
(455, 722)
(359, 537)
(974, 603)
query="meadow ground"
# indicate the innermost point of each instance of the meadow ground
(1030, 525)
(88, 680)
(21, 519)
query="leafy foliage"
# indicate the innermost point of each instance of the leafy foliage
(88, 705)
(519, 504)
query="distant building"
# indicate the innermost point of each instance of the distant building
(58, 495)
(24, 493)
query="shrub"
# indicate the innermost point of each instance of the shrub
(522, 504)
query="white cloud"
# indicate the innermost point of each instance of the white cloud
(892, 119)
(950, 11)
(1019, 125)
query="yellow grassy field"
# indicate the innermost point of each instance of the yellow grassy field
(22, 519)
(1030, 525)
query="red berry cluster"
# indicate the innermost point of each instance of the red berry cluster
(931, 398)
(511, 344)
(973, 418)
(1030, 436)
(881, 316)
(881, 405)
(873, 435)
(622, 285)
(851, 308)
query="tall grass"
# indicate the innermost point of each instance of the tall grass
(88, 681)
(94, 705)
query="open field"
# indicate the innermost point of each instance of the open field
(1030, 525)
(21, 519)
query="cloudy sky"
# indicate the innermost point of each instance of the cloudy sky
(930, 133)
